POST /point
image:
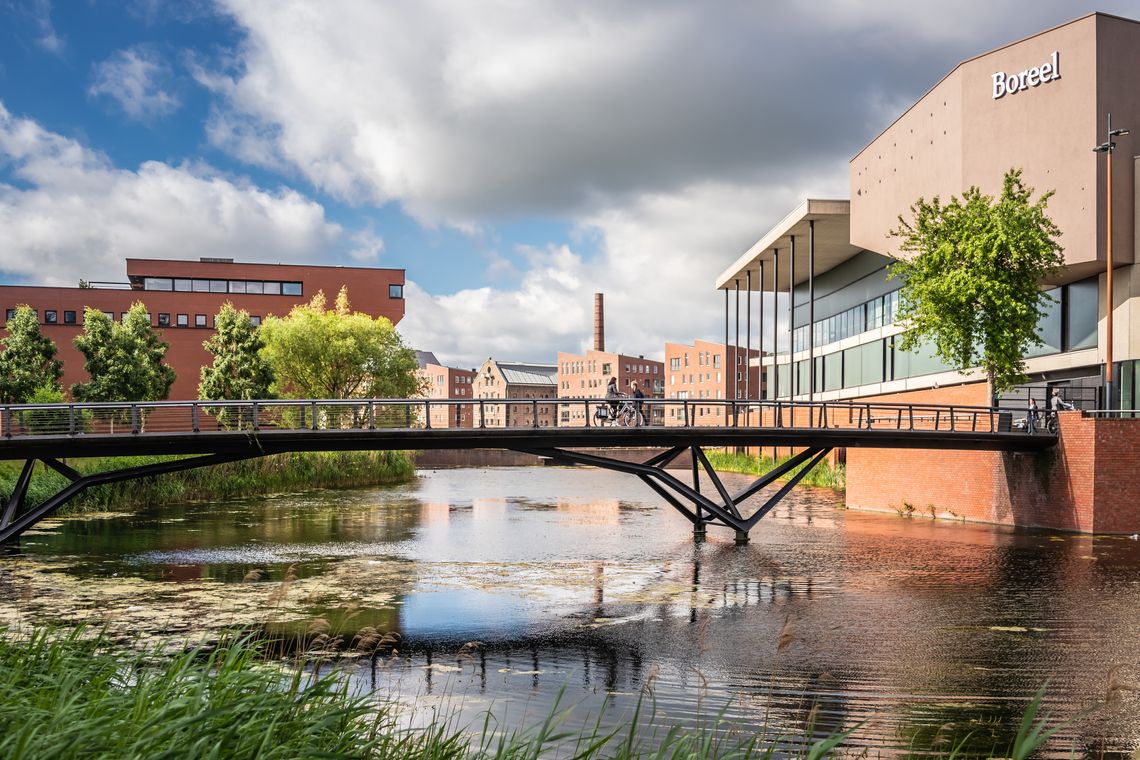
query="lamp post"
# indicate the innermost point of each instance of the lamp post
(1107, 147)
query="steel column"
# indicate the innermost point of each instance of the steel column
(747, 338)
(811, 309)
(792, 320)
(760, 341)
(775, 324)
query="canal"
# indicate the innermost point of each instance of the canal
(509, 591)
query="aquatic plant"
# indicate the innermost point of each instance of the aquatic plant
(251, 477)
(824, 474)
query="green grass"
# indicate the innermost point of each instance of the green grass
(823, 474)
(250, 477)
(68, 695)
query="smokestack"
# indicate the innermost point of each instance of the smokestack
(599, 323)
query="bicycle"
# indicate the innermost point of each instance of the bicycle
(617, 412)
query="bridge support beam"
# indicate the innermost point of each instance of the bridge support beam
(688, 500)
(19, 515)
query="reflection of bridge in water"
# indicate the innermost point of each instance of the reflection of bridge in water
(208, 433)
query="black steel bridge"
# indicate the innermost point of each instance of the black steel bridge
(203, 433)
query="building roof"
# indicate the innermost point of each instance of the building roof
(832, 246)
(529, 374)
(424, 358)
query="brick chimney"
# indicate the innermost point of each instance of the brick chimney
(599, 323)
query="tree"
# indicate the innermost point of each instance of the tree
(336, 353)
(124, 360)
(238, 371)
(973, 286)
(28, 361)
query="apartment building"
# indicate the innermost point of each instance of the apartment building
(519, 383)
(443, 383)
(706, 371)
(585, 376)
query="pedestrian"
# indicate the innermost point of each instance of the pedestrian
(612, 393)
(637, 394)
(1058, 404)
(1031, 417)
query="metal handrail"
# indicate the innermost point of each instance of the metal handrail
(264, 415)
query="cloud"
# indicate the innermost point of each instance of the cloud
(366, 246)
(47, 39)
(137, 79)
(68, 213)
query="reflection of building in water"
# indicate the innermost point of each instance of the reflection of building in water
(598, 512)
(489, 510)
(435, 513)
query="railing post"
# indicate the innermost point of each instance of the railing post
(937, 419)
(304, 423)
(313, 410)
(256, 415)
(482, 415)
(898, 422)
(408, 416)
(951, 419)
(427, 414)
(735, 413)
(194, 417)
(7, 422)
(779, 413)
(371, 414)
(534, 412)
(71, 419)
(586, 411)
(910, 410)
(134, 418)
(870, 420)
(686, 403)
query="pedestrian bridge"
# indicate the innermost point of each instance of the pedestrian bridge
(203, 433)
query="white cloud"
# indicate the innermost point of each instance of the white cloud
(71, 214)
(136, 79)
(366, 246)
(48, 39)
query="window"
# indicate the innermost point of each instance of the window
(158, 283)
(51, 316)
(607, 368)
(201, 286)
(716, 361)
(272, 288)
(1083, 313)
(183, 285)
(110, 315)
(163, 319)
(675, 363)
(199, 320)
(183, 320)
(256, 320)
(9, 314)
(122, 316)
(69, 317)
(291, 288)
(218, 286)
(395, 291)
(237, 286)
(252, 286)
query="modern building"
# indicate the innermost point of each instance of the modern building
(708, 371)
(447, 383)
(1043, 105)
(514, 381)
(184, 296)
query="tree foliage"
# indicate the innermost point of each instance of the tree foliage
(317, 352)
(973, 285)
(27, 363)
(238, 371)
(124, 360)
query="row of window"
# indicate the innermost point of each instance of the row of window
(878, 312)
(202, 285)
(577, 368)
(701, 377)
(51, 317)
(869, 363)
(704, 359)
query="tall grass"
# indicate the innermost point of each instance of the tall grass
(250, 477)
(64, 695)
(823, 474)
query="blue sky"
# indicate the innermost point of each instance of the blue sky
(513, 158)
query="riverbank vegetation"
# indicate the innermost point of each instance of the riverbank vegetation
(67, 694)
(251, 477)
(824, 474)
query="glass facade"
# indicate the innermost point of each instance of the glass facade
(878, 312)
(199, 285)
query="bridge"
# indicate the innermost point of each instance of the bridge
(204, 433)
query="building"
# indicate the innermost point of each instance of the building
(586, 376)
(708, 371)
(447, 383)
(184, 296)
(1040, 104)
(502, 380)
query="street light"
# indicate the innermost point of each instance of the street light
(1106, 147)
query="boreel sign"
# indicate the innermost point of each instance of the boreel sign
(1011, 84)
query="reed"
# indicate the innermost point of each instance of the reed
(823, 474)
(250, 477)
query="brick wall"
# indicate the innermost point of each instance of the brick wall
(1088, 483)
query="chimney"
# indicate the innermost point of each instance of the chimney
(599, 323)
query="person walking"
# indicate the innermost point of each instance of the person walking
(1058, 404)
(637, 394)
(1031, 417)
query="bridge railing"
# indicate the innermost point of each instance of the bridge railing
(415, 414)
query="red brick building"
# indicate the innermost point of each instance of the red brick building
(586, 376)
(450, 383)
(524, 382)
(708, 371)
(184, 296)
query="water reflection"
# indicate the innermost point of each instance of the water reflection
(577, 582)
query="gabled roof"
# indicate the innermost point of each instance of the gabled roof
(529, 374)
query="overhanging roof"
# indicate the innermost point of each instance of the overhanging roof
(832, 246)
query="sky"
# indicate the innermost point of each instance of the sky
(514, 157)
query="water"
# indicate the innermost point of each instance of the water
(580, 588)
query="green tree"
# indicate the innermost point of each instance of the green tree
(124, 360)
(337, 353)
(28, 361)
(238, 371)
(973, 285)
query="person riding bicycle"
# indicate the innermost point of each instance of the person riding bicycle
(612, 393)
(1058, 404)
(638, 404)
